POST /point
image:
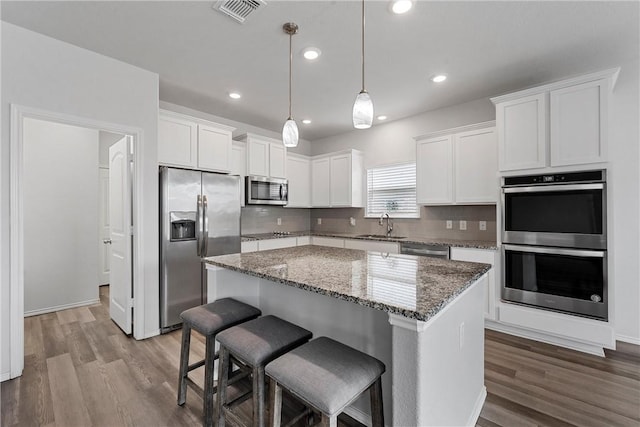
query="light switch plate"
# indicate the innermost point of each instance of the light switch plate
(483, 225)
(319, 221)
(352, 221)
(279, 221)
(449, 224)
(463, 225)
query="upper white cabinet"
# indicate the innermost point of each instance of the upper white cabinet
(559, 124)
(336, 179)
(457, 166)
(190, 142)
(265, 156)
(299, 177)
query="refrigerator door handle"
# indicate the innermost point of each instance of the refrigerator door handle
(205, 237)
(199, 226)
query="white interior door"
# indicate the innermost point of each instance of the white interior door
(121, 301)
(103, 246)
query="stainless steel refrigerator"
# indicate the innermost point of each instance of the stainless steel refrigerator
(199, 217)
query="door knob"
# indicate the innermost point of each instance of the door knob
(106, 241)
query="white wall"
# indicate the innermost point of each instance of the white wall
(304, 146)
(393, 142)
(624, 187)
(44, 73)
(60, 199)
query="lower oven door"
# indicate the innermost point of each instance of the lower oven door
(567, 280)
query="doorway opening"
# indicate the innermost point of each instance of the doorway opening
(57, 189)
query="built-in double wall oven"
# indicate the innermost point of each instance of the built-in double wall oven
(554, 235)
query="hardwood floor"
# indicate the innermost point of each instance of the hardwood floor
(81, 370)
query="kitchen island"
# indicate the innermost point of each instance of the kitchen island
(422, 317)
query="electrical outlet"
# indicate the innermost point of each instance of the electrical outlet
(319, 221)
(483, 225)
(463, 225)
(461, 335)
(279, 221)
(352, 221)
(449, 224)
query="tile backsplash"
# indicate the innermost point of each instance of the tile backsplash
(264, 219)
(432, 221)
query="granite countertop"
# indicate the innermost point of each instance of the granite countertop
(410, 286)
(474, 244)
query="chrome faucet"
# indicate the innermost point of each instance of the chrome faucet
(389, 223)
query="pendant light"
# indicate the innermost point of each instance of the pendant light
(290, 128)
(363, 107)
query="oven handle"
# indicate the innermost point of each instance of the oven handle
(555, 251)
(553, 188)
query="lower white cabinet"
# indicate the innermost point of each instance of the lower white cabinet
(485, 256)
(327, 241)
(372, 245)
(285, 242)
(303, 240)
(250, 246)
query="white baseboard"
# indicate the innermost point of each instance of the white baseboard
(60, 307)
(628, 339)
(477, 408)
(596, 350)
(5, 376)
(358, 415)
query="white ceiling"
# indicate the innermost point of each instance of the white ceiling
(486, 48)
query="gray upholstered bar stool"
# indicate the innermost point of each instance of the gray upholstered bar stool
(209, 320)
(327, 376)
(253, 344)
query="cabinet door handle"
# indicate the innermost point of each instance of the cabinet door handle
(107, 241)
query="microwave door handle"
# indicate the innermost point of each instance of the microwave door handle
(281, 191)
(198, 225)
(205, 237)
(555, 251)
(553, 188)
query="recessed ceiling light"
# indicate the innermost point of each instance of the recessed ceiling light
(438, 78)
(382, 117)
(311, 53)
(306, 121)
(235, 95)
(401, 6)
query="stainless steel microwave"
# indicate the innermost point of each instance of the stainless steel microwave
(266, 191)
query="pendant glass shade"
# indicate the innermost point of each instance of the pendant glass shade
(363, 111)
(290, 133)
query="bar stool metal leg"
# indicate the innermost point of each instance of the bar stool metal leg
(377, 411)
(184, 363)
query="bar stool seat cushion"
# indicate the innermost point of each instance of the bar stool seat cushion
(325, 373)
(261, 340)
(211, 318)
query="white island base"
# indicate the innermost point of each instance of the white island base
(435, 369)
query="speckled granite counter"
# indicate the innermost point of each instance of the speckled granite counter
(413, 287)
(475, 244)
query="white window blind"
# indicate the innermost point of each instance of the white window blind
(392, 189)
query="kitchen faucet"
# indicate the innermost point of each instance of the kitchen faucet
(389, 223)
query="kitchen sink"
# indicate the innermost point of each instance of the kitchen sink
(379, 236)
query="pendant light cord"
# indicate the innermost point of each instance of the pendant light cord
(290, 70)
(363, 46)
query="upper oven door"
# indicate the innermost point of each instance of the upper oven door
(564, 215)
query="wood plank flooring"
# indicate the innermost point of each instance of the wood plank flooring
(81, 370)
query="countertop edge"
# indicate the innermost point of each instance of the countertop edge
(366, 303)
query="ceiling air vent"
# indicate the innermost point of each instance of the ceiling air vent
(238, 9)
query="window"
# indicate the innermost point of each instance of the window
(392, 189)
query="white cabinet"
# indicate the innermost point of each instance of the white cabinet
(299, 177)
(559, 124)
(372, 245)
(320, 183)
(285, 242)
(250, 246)
(303, 240)
(239, 165)
(190, 142)
(485, 256)
(457, 166)
(336, 179)
(327, 241)
(265, 156)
